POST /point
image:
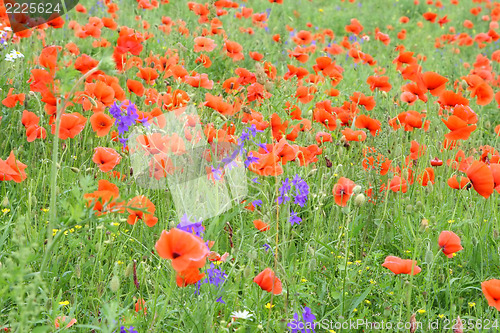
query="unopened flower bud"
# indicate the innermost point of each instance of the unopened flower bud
(114, 284)
(357, 189)
(360, 199)
(247, 272)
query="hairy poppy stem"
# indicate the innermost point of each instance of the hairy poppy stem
(136, 281)
(53, 170)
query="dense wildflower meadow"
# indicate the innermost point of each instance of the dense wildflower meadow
(250, 165)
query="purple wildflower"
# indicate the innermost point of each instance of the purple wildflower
(124, 329)
(294, 219)
(257, 203)
(307, 323)
(188, 226)
(284, 189)
(250, 159)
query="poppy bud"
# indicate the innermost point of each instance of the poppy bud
(5, 201)
(75, 170)
(398, 151)
(77, 271)
(429, 256)
(357, 189)
(269, 86)
(413, 323)
(171, 224)
(495, 233)
(128, 270)
(487, 124)
(312, 264)
(338, 122)
(247, 272)
(458, 327)
(424, 224)
(114, 284)
(252, 255)
(360, 199)
(409, 208)
(419, 204)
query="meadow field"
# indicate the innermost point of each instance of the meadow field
(250, 166)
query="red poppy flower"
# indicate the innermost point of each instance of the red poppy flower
(11, 169)
(204, 44)
(268, 281)
(11, 100)
(481, 177)
(401, 266)
(141, 209)
(434, 82)
(355, 27)
(495, 170)
(190, 275)
(436, 162)
(449, 242)
(233, 50)
(106, 158)
(491, 290)
(379, 82)
(427, 177)
(136, 87)
(373, 125)
(322, 137)
(63, 320)
(71, 125)
(351, 135)
(105, 198)
(140, 305)
(183, 248)
(398, 184)
(342, 191)
(261, 226)
(456, 184)
(101, 123)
